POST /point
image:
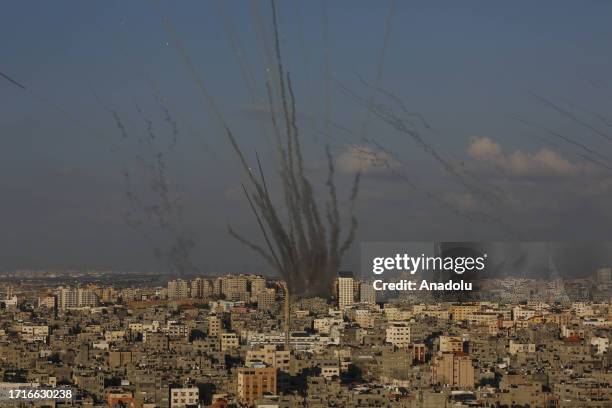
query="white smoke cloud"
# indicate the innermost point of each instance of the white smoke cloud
(541, 163)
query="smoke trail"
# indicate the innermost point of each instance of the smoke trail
(74, 118)
(388, 116)
(588, 111)
(399, 102)
(571, 116)
(170, 121)
(178, 45)
(379, 156)
(156, 206)
(239, 53)
(326, 57)
(262, 37)
(12, 81)
(162, 100)
(470, 215)
(603, 160)
(243, 64)
(151, 212)
(380, 66)
(304, 250)
(294, 247)
(305, 64)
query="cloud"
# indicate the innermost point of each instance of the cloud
(544, 161)
(365, 159)
(541, 163)
(483, 148)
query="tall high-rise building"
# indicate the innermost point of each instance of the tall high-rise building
(257, 284)
(69, 298)
(367, 294)
(200, 288)
(178, 289)
(218, 285)
(345, 289)
(235, 288)
(87, 298)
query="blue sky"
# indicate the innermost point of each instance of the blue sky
(467, 67)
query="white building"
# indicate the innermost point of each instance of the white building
(72, 298)
(398, 334)
(601, 344)
(183, 397)
(345, 289)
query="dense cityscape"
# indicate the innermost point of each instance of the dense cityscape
(233, 341)
(296, 204)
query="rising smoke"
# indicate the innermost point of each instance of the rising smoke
(306, 249)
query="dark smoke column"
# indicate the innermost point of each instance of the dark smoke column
(306, 246)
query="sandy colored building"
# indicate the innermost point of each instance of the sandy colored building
(255, 381)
